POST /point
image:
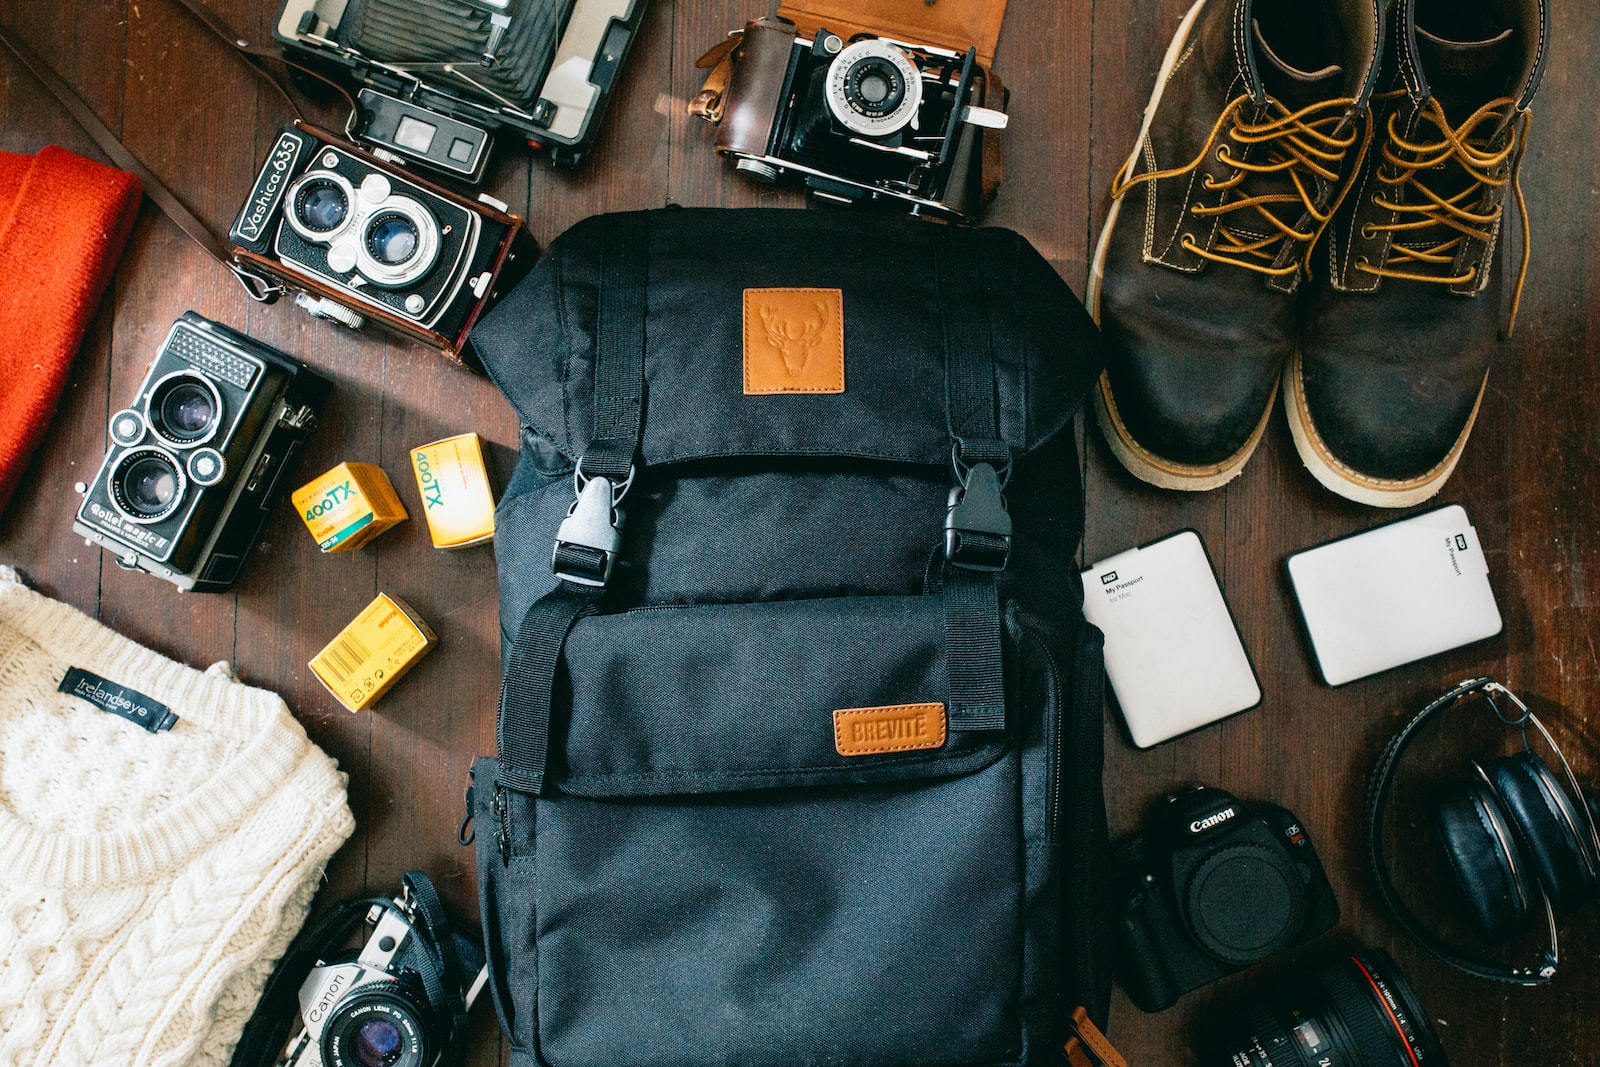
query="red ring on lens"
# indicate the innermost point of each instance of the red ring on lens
(1407, 1039)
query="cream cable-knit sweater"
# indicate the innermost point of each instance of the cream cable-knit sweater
(148, 882)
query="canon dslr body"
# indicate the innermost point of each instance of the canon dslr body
(1213, 886)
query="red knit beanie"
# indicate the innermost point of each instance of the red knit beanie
(63, 222)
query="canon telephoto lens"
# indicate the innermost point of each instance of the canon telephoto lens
(146, 484)
(184, 409)
(320, 205)
(1358, 1012)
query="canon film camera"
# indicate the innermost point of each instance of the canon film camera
(440, 78)
(359, 240)
(871, 119)
(197, 459)
(1213, 886)
(373, 1009)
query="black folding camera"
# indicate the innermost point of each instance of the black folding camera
(389, 1004)
(359, 239)
(1213, 886)
(196, 461)
(869, 119)
(439, 78)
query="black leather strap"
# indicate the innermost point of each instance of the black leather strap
(1378, 789)
(528, 690)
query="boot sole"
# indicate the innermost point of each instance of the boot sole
(1140, 461)
(1346, 481)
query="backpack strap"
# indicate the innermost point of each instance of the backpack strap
(977, 525)
(590, 537)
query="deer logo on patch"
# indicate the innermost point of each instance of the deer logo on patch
(793, 341)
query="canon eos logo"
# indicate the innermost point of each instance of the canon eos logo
(1211, 820)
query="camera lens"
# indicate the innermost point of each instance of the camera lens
(146, 484)
(1359, 1012)
(874, 87)
(321, 205)
(377, 1027)
(184, 409)
(392, 238)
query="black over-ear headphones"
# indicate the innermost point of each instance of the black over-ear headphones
(1518, 838)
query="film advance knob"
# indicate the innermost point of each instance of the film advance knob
(323, 308)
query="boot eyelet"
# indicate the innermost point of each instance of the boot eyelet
(1368, 233)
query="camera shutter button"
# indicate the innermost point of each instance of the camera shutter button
(1245, 902)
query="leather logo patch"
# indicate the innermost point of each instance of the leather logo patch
(793, 341)
(894, 728)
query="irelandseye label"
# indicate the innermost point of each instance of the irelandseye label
(892, 728)
(793, 341)
(119, 700)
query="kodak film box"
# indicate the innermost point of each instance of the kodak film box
(456, 498)
(348, 506)
(370, 655)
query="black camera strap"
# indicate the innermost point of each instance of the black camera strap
(256, 57)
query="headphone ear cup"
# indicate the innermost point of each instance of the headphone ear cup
(1482, 850)
(1549, 825)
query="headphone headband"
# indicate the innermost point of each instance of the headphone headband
(1378, 788)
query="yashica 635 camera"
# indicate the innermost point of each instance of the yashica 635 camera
(871, 118)
(197, 459)
(359, 239)
(1213, 886)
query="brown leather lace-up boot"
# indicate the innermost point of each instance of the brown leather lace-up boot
(1258, 123)
(1404, 320)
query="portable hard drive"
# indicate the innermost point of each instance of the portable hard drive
(1394, 594)
(1173, 653)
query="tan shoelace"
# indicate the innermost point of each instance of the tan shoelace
(1311, 141)
(1408, 161)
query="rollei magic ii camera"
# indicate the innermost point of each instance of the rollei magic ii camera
(400, 1001)
(197, 460)
(359, 240)
(868, 118)
(1212, 886)
(440, 78)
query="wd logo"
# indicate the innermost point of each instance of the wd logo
(1108, 577)
(1461, 542)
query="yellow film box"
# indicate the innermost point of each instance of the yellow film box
(371, 654)
(456, 498)
(348, 506)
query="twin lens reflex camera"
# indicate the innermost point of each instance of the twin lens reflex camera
(197, 460)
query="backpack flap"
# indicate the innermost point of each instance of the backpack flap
(733, 697)
(795, 333)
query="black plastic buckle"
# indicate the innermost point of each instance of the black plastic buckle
(977, 526)
(591, 535)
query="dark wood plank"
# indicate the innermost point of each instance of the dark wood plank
(1079, 75)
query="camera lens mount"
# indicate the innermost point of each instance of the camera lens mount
(399, 242)
(873, 89)
(377, 1026)
(146, 484)
(1359, 1011)
(184, 409)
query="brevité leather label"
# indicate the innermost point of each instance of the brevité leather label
(793, 341)
(891, 728)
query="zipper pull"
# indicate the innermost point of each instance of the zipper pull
(502, 815)
(1086, 1046)
(468, 833)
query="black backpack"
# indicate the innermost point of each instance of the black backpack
(800, 737)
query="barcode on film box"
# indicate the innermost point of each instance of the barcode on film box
(368, 656)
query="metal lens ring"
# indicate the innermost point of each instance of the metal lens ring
(184, 409)
(873, 88)
(376, 1028)
(399, 242)
(321, 205)
(146, 484)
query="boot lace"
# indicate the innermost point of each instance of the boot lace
(1469, 148)
(1313, 142)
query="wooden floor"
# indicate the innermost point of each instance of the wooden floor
(1080, 72)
